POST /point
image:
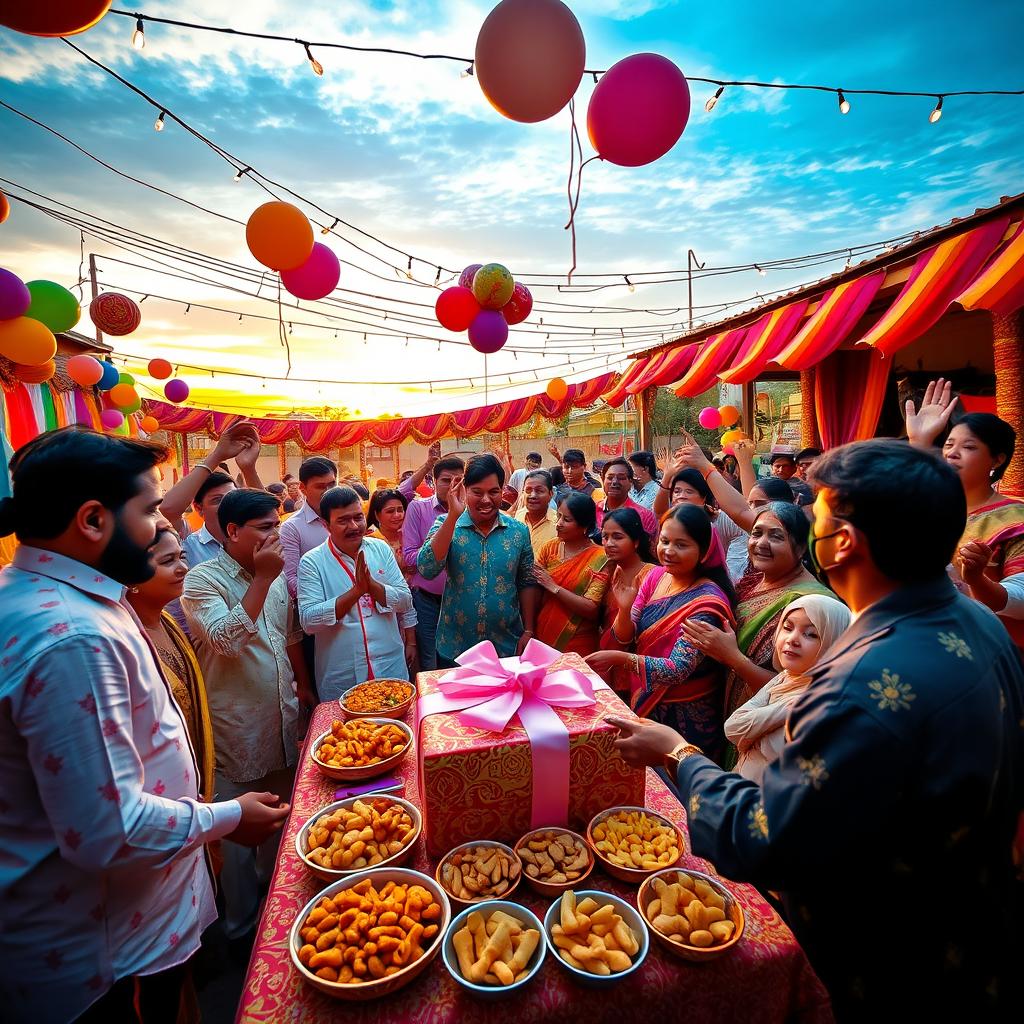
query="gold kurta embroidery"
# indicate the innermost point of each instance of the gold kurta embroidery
(694, 805)
(812, 771)
(955, 644)
(758, 823)
(891, 694)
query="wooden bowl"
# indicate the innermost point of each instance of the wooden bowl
(381, 986)
(699, 954)
(333, 874)
(364, 771)
(461, 903)
(554, 888)
(632, 875)
(451, 960)
(398, 711)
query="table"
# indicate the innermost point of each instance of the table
(765, 978)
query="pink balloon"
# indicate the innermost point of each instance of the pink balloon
(709, 418)
(519, 307)
(638, 110)
(489, 331)
(466, 277)
(315, 278)
(176, 390)
(111, 419)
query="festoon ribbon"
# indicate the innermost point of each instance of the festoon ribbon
(488, 692)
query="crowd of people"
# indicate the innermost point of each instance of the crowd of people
(836, 718)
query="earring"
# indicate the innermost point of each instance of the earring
(134, 590)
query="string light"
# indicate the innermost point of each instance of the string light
(713, 100)
(467, 72)
(158, 125)
(761, 270)
(241, 171)
(594, 73)
(408, 269)
(844, 103)
(318, 68)
(629, 284)
(139, 35)
(936, 113)
(437, 277)
(327, 231)
(187, 308)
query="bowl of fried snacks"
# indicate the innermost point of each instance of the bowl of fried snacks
(370, 934)
(382, 698)
(631, 843)
(554, 859)
(361, 748)
(474, 872)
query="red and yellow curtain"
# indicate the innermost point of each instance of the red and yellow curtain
(849, 388)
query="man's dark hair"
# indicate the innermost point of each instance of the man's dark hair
(450, 464)
(243, 505)
(480, 467)
(574, 457)
(618, 461)
(212, 480)
(995, 434)
(277, 489)
(645, 460)
(557, 476)
(316, 466)
(379, 499)
(696, 480)
(57, 472)
(534, 457)
(774, 488)
(361, 489)
(287, 477)
(338, 497)
(881, 487)
(808, 453)
(541, 474)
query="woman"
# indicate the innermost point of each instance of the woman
(384, 520)
(571, 571)
(807, 629)
(979, 449)
(671, 681)
(689, 486)
(177, 659)
(645, 478)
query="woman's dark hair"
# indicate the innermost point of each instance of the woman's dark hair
(480, 467)
(794, 521)
(244, 504)
(774, 488)
(212, 480)
(450, 464)
(557, 476)
(540, 474)
(696, 523)
(994, 433)
(380, 499)
(582, 509)
(645, 460)
(57, 472)
(337, 497)
(316, 466)
(633, 527)
(694, 478)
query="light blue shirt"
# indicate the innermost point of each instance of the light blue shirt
(200, 547)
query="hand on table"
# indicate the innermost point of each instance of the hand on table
(263, 814)
(644, 743)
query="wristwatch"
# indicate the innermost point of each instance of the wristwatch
(679, 753)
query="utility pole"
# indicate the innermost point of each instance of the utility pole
(691, 260)
(95, 291)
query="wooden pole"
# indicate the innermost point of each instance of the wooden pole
(748, 408)
(282, 461)
(95, 290)
(1008, 352)
(808, 419)
(644, 403)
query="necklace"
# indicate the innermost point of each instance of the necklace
(169, 654)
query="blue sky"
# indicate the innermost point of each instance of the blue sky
(413, 153)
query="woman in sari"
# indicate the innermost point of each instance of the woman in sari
(571, 571)
(177, 659)
(385, 519)
(671, 681)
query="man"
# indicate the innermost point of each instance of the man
(901, 775)
(536, 512)
(426, 593)
(517, 480)
(574, 466)
(306, 530)
(805, 459)
(279, 491)
(250, 650)
(617, 481)
(490, 593)
(782, 460)
(103, 884)
(645, 478)
(294, 488)
(355, 602)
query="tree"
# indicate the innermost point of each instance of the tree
(672, 415)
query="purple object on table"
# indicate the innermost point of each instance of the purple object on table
(388, 784)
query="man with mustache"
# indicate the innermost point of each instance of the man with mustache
(617, 481)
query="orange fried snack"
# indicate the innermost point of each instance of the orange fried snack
(360, 837)
(376, 695)
(359, 742)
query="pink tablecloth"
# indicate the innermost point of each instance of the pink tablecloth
(765, 978)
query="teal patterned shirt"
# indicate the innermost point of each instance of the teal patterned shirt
(485, 575)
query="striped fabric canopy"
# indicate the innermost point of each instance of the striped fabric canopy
(764, 341)
(1000, 286)
(712, 358)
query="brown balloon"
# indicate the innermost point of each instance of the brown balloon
(53, 17)
(530, 56)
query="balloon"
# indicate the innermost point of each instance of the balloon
(124, 377)
(123, 395)
(15, 298)
(709, 418)
(519, 307)
(5, 208)
(115, 314)
(150, 424)
(493, 286)
(529, 58)
(53, 305)
(134, 407)
(54, 17)
(638, 110)
(488, 331)
(456, 308)
(35, 374)
(466, 277)
(730, 414)
(731, 435)
(111, 418)
(160, 369)
(24, 340)
(317, 277)
(557, 389)
(85, 370)
(279, 236)
(176, 390)
(110, 377)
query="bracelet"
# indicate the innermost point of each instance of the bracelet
(203, 465)
(663, 487)
(713, 469)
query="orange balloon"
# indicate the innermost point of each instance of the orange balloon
(123, 395)
(5, 208)
(730, 414)
(54, 17)
(150, 424)
(85, 370)
(24, 340)
(557, 389)
(529, 58)
(731, 435)
(279, 236)
(35, 374)
(160, 369)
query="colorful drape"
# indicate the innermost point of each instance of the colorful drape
(31, 409)
(849, 388)
(665, 367)
(764, 341)
(999, 288)
(713, 357)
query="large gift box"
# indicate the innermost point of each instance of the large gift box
(507, 745)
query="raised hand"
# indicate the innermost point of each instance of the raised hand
(624, 591)
(719, 644)
(925, 423)
(744, 450)
(972, 560)
(235, 440)
(268, 558)
(457, 498)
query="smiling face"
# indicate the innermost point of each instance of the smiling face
(770, 548)
(568, 530)
(617, 544)
(536, 495)
(168, 561)
(970, 457)
(617, 484)
(391, 516)
(677, 550)
(483, 499)
(797, 643)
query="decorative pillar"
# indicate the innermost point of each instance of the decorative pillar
(808, 421)
(1008, 353)
(644, 404)
(748, 410)
(185, 467)
(282, 462)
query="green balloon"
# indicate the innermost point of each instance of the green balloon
(125, 378)
(53, 306)
(134, 407)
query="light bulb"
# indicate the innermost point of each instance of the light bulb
(318, 68)
(713, 100)
(760, 270)
(326, 230)
(139, 35)
(629, 283)
(936, 113)
(408, 269)
(844, 103)
(240, 172)
(467, 72)
(158, 124)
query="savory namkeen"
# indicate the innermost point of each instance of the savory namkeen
(689, 911)
(554, 857)
(369, 832)
(358, 743)
(494, 950)
(479, 873)
(592, 937)
(631, 839)
(376, 695)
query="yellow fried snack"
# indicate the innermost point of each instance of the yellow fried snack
(360, 837)
(632, 839)
(359, 743)
(377, 695)
(495, 951)
(479, 873)
(689, 911)
(593, 937)
(555, 857)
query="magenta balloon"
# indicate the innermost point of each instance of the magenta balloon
(519, 307)
(176, 390)
(466, 277)
(489, 331)
(15, 297)
(709, 418)
(315, 278)
(638, 110)
(111, 419)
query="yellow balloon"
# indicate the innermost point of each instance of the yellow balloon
(731, 435)
(24, 340)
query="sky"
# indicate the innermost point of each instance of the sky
(411, 152)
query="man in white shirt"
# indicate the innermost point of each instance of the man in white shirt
(355, 601)
(104, 891)
(306, 530)
(518, 478)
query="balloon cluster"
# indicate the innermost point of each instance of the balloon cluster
(711, 418)
(486, 302)
(281, 238)
(31, 314)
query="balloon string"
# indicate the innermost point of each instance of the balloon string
(281, 332)
(486, 390)
(575, 152)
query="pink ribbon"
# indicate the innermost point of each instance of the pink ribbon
(488, 692)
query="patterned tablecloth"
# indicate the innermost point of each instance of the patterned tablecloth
(765, 978)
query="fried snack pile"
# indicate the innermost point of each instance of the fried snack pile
(479, 873)
(359, 742)
(593, 938)
(348, 840)
(554, 857)
(376, 695)
(632, 839)
(360, 934)
(495, 950)
(689, 911)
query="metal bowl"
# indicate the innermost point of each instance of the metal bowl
(457, 901)
(363, 771)
(398, 711)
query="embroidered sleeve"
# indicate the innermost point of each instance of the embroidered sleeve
(524, 570)
(680, 664)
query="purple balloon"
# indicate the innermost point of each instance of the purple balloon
(315, 278)
(466, 277)
(176, 390)
(489, 331)
(111, 419)
(15, 298)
